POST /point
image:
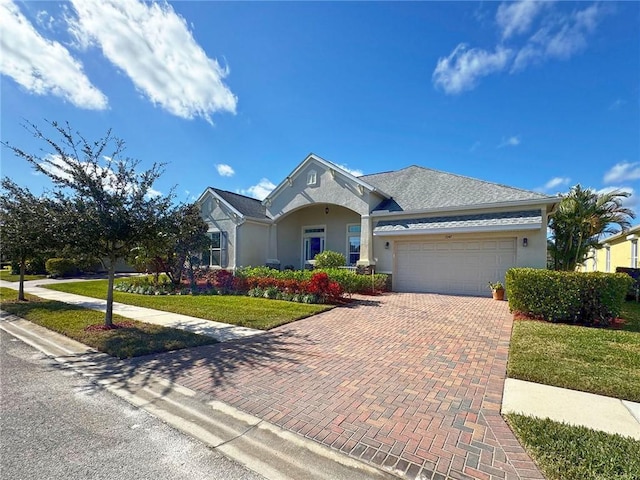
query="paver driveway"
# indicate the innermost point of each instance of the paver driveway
(409, 382)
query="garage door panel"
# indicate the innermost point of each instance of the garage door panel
(462, 267)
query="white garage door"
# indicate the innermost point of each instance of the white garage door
(453, 266)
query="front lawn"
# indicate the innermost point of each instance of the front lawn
(243, 311)
(70, 320)
(596, 360)
(6, 275)
(565, 452)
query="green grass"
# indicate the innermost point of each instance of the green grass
(631, 315)
(6, 275)
(564, 452)
(258, 313)
(70, 320)
(596, 360)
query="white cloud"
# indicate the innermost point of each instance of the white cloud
(153, 193)
(556, 35)
(261, 190)
(43, 66)
(555, 182)
(512, 141)
(632, 201)
(54, 165)
(622, 172)
(225, 170)
(155, 48)
(517, 17)
(354, 172)
(559, 37)
(616, 104)
(44, 20)
(462, 69)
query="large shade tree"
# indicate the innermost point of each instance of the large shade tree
(582, 217)
(107, 206)
(26, 226)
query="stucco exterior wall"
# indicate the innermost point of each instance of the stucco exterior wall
(219, 220)
(252, 245)
(328, 189)
(534, 255)
(335, 224)
(620, 257)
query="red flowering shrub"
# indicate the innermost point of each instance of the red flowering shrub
(324, 288)
(223, 280)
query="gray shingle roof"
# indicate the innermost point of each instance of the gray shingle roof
(419, 188)
(523, 218)
(249, 207)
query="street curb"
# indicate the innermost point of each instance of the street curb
(272, 451)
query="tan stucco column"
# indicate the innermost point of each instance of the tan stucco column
(366, 241)
(272, 248)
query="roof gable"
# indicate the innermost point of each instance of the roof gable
(333, 168)
(239, 204)
(418, 188)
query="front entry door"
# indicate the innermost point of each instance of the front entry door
(312, 243)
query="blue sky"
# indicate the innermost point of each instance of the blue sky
(536, 95)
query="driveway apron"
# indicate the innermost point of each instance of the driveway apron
(411, 383)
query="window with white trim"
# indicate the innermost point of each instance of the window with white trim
(353, 243)
(634, 253)
(312, 177)
(607, 259)
(213, 256)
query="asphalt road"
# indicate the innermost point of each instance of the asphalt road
(57, 424)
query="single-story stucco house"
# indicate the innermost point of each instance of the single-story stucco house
(432, 231)
(620, 250)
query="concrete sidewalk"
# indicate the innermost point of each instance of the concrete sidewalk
(597, 412)
(220, 331)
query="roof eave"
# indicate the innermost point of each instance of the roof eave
(622, 235)
(451, 230)
(515, 203)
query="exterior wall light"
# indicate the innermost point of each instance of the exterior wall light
(525, 242)
(386, 245)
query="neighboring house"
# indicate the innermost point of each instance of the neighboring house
(432, 231)
(619, 250)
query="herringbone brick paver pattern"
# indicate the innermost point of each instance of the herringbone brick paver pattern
(411, 383)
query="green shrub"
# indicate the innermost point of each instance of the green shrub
(329, 259)
(33, 266)
(355, 283)
(61, 267)
(592, 298)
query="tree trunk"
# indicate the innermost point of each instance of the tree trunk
(23, 267)
(108, 318)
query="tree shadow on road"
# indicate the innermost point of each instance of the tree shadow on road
(208, 367)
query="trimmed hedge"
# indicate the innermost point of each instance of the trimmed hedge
(592, 298)
(61, 267)
(329, 259)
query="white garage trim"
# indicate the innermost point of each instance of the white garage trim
(440, 231)
(452, 266)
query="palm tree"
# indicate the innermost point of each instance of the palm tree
(580, 220)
